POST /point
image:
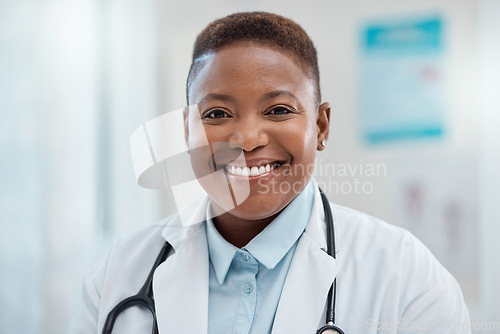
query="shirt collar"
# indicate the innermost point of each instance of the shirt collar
(220, 251)
(270, 245)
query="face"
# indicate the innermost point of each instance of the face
(258, 104)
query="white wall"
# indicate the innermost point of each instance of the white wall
(21, 202)
(489, 104)
(76, 78)
(48, 141)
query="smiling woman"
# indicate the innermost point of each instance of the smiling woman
(268, 263)
(261, 103)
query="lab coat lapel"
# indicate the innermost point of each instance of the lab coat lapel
(180, 284)
(180, 288)
(309, 278)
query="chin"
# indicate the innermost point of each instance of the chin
(260, 206)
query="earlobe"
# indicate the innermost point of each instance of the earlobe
(323, 125)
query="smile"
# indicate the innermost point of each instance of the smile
(251, 170)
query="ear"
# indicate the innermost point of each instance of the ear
(323, 125)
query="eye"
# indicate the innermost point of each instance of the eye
(280, 110)
(216, 113)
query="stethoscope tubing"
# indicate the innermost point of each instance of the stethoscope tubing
(330, 235)
(332, 293)
(143, 298)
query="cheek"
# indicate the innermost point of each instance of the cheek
(197, 134)
(301, 138)
(199, 148)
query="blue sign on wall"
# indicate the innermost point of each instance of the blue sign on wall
(402, 80)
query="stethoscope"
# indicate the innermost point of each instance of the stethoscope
(145, 295)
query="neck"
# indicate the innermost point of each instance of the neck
(239, 231)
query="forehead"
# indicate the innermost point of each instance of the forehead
(250, 68)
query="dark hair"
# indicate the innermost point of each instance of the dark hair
(261, 27)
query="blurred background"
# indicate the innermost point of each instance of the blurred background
(414, 139)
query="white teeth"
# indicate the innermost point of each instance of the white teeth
(250, 171)
(254, 171)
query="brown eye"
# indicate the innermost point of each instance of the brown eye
(279, 111)
(216, 113)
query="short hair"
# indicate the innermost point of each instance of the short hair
(261, 27)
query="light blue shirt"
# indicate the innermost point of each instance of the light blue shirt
(246, 284)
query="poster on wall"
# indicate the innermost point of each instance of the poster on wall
(402, 80)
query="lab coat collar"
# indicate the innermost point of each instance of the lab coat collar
(180, 284)
(186, 222)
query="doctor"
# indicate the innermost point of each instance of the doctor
(262, 267)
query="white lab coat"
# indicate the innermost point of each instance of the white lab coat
(387, 281)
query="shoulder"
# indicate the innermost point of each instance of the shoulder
(135, 253)
(354, 226)
(128, 254)
(387, 249)
(137, 246)
(132, 253)
(398, 265)
(362, 233)
(145, 235)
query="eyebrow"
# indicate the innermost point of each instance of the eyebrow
(267, 96)
(277, 93)
(215, 96)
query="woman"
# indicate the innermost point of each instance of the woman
(260, 265)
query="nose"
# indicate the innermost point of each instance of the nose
(249, 135)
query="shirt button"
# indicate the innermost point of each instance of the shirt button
(248, 288)
(246, 257)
